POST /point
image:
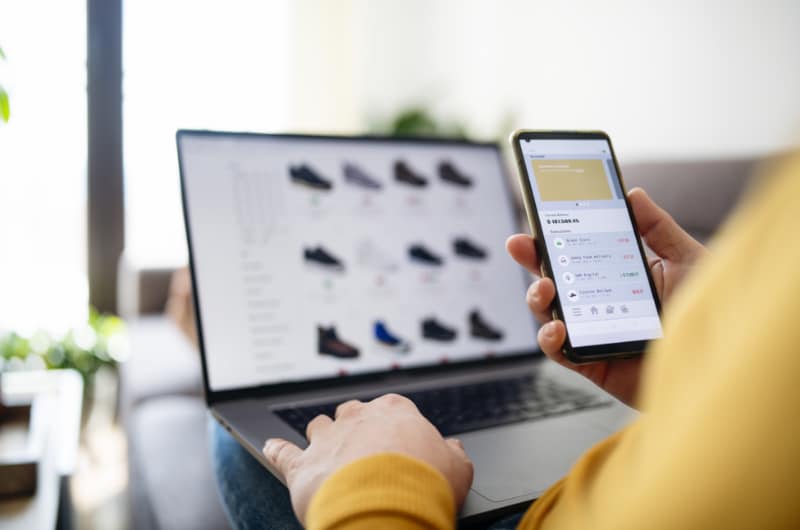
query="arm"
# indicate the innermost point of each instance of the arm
(716, 446)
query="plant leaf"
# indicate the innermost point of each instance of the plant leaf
(2, 54)
(5, 109)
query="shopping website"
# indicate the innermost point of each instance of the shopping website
(599, 274)
(319, 258)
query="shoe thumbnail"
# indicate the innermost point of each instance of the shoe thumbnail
(305, 176)
(434, 330)
(467, 249)
(387, 338)
(370, 256)
(480, 329)
(329, 343)
(404, 175)
(424, 256)
(448, 173)
(320, 256)
(357, 177)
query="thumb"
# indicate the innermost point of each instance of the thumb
(658, 229)
(282, 454)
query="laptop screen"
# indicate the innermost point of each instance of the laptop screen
(323, 257)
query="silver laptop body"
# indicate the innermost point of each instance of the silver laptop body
(332, 268)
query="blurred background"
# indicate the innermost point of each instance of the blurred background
(90, 211)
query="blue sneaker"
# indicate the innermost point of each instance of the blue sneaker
(387, 338)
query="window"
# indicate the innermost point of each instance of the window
(191, 64)
(43, 166)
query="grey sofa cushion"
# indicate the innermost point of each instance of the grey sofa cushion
(162, 363)
(699, 195)
(173, 486)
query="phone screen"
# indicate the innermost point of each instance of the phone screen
(601, 281)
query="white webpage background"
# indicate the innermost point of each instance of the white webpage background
(260, 304)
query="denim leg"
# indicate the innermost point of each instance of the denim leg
(507, 523)
(252, 497)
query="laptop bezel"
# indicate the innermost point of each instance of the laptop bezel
(271, 389)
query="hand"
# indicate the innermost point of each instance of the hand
(388, 424)
(677, 252)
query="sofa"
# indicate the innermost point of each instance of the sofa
(171, 479)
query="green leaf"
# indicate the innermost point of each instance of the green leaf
(5, 110)
(2, 54)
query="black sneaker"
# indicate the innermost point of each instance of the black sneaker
(305, 176)
(329, 343)
(433, 330)
(404, 175)
(448, 173)
(356, 176)
(424, 256)
(465, 248)
(478, 328)
(320, 256)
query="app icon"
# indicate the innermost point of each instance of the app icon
(568, 277)
(572, 296)
(558, 242)
(610, 309)
(563, 260)
(594, 310)
(623, 308)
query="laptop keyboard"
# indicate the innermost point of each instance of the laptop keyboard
(464, 408)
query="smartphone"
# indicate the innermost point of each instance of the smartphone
(588, 243)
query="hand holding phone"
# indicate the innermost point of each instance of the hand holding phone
(588, 243)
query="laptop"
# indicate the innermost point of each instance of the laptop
(334, 268)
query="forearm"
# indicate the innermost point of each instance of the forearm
(383, 491)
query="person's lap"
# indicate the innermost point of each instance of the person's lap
(253, 498)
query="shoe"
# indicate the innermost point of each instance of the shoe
(465, 248)
(329, 343)
(372, 257)
(387, 338)
(433, 330)
(305, 176)
(424, 256)
(448, 173)
(404, 175)
(478, 328)
(355, 176)
(320, 256)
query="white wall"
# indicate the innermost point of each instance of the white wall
(666, 80)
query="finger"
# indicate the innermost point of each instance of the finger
(317, 424)
(394, 400)
(456, 445)
(522, 248)
(540, 297)
(657, 273)
(551, 339)
(658, 229)
(348, 407)
(282, 454)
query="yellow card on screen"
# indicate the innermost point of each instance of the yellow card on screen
(571, 180)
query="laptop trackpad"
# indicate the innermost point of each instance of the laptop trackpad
(527, 458)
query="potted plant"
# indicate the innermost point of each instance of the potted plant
(5, 109)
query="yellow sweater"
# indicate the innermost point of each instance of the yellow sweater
(718, 443)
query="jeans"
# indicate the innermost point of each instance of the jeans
(254, 499)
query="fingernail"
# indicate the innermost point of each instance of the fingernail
(535, 291)
(267, 445)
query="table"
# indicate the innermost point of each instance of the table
(60, 393)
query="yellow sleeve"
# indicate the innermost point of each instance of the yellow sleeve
(718, 443)
(388, 491)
